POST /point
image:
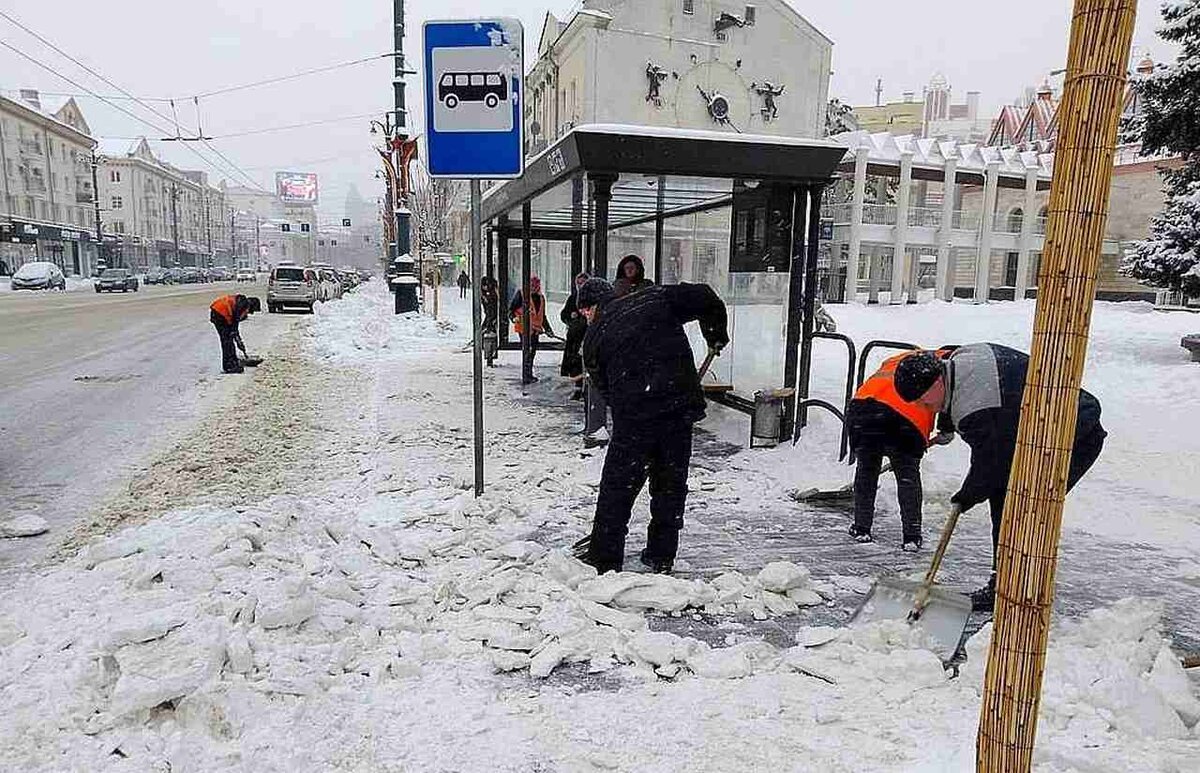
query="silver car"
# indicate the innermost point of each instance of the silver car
(39, 275)
(292, 286)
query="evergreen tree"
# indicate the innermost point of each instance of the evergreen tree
(1170, 124)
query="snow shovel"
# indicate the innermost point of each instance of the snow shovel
(830, 496)
(250, 362)
(941, 614)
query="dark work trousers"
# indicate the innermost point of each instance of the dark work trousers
(907, 469)
(595, 409)
(661, 451)
(229, 358)
(1084, 454)
(527, 367)
(462, 292)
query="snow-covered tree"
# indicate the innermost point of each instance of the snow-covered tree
(1170, 258)
(1171, 125)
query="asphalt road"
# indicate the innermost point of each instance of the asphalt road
(91, 385)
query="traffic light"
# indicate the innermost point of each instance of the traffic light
(285, 227)
(345, 222)
(304, 228)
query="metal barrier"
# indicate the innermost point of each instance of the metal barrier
(805, 402)
(854, 379)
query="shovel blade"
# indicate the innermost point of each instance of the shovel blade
(824, 495)
(944, 619)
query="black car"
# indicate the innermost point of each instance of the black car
(157, 276)
(114, 279)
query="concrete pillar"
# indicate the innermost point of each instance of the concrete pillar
(1028, 221)
(983, 259)
(856, 214)
(900, 237)
(945, 266)
(875, 254)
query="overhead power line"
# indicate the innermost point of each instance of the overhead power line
(289, 127)
(293, 76)
(139, 101)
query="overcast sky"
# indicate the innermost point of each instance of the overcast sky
(174, 48)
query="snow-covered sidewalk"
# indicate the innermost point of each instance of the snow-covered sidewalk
(373, 615)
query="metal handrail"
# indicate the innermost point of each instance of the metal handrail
(801, 414)
(903, 346)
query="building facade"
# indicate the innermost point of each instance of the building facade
(47, 207)
(755, 68)
(154, 214)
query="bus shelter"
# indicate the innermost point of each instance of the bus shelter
(738, 212)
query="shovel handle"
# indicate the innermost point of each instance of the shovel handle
(922, 597)
(707, 362)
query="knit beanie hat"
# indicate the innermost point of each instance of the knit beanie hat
(594, 292)
(916, 374)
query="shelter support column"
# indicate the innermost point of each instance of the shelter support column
(602, 185)
(502, 277)
(983, 258)
(795, 306)
(900, 237)
(945, 264)
(856, 216)
(658, 228)
(1028, 220)
(526, 303)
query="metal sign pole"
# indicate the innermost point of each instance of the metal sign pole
(477, 329)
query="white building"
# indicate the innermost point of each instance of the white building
(282, 231)
(753, 67)
(47, 211)
(157, 214)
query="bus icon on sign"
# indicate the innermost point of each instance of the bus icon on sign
(490, 88)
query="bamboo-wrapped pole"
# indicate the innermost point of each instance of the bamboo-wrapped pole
(1101, 33)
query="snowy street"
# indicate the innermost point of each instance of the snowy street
(302, 580)
(91, 385)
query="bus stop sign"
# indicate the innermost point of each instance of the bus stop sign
(474, 84)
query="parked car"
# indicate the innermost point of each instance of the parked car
(191, 276)
(114, 279)
(156, 276)
(350, 277)
(246, 275)
(220, 273)
(292, 286)
(39, 275)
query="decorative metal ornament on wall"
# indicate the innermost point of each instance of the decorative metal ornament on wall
(655, 76)
(725, 21)
(718, 105)
(769, 93)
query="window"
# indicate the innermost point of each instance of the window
(476, 80)
(461, 80)
(117, 202)
(493, 80)
(114, 176)
(447, 80)
(689, 7)
(751, 11)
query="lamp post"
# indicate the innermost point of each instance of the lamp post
(97, 160)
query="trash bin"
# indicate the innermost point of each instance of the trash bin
(766, 424)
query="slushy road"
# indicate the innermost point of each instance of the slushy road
(91, 385)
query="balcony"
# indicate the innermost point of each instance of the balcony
(30, 147)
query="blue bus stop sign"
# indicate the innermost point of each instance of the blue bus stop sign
(474, 86)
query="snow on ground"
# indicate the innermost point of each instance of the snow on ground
(387, 620)
(74, 284)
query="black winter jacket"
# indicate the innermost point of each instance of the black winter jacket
(984, 387)
(638, 356)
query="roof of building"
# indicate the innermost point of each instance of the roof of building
(930, 156)
(41, 111)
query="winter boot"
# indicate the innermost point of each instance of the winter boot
(861, 535)
(984, 599)
(911, 544)
(656, 565)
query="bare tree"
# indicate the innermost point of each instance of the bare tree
(431, 203)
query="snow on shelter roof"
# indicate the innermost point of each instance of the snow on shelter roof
(930, 155)
(698, 165)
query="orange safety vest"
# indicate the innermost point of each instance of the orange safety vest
(224, 306)
(882, 387)
(537, 316)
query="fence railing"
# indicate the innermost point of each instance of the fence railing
(925, 217)
(879, 214)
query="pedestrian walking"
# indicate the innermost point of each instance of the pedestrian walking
(226, 313)
(489, 293)
(979, 389)
(882, 424)
(538, 324)
(572, 361)
(464, 281)
(638, 356)
(631, 276)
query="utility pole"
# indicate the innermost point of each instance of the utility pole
(96, 202)
(232, 244)
(400, 215)
(175, 220)
(257, 243)
(207, 226)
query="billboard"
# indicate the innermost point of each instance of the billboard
(296, 187)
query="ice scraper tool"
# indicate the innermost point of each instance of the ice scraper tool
(940, 613)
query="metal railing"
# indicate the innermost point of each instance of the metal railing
(1006, 224)
(839, 212)
(966, 221)
(879, 214)
(1040, 225)
(925, 217)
